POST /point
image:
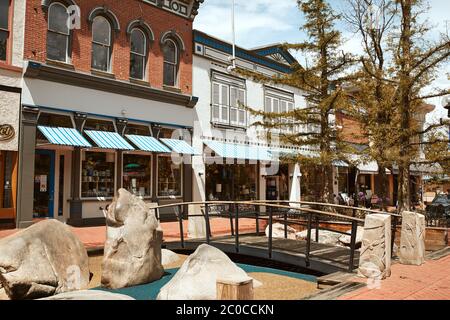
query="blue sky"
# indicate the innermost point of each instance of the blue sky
(262, 22)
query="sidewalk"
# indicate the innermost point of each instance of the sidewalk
(430, 281)
(94, 237)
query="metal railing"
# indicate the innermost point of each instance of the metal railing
(275, 211)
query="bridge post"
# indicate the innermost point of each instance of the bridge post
(285, 225)
(257, 219)
(317, 228)
(351, 262)
(236, 233)
(270, 232)
(180, 220)
(308, 240)
(208, 227)
(230, 213)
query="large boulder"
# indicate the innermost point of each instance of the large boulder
(132, 254)
(43, 260)
(325, 237)
(278, 231)
(375, 256)
(168, 257)
(89, 295)
(197, 277)
(412, 239)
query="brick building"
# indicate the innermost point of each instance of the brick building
(106, 103)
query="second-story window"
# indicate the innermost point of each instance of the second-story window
(280, 102)
(138, 55)
(170, 53)
(101, 44)
(4, 28)
(58, 33)
(228, 101)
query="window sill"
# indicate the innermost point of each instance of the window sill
(6, 66)
(60, 64)
(103, 74)
(139, 82)
(228, 126)
(172, 89)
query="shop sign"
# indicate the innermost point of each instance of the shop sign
(7, 132)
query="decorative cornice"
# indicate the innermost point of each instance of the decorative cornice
(40, 71)
(140, 23)
(105, 11)
(175, 36)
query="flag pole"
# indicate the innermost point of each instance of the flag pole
(233, 31)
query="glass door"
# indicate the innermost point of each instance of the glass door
(44, 184)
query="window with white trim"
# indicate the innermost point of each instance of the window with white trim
(228, 103)
(280, 104)
(4, 28)
(101, 44)
(138, 54)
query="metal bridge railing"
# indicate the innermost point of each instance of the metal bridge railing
(295, 213)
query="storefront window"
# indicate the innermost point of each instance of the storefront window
(99, 125)
(98, 172)
(231, 182)
(139, 130)
(137, 174)
(310, 183)
(169, 177)
(7, 167)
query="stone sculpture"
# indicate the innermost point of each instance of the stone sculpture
(43, 260)
(375, 256)
(412, 239)
(197, 277)
(132, 254)
(278, 231)
(89, 295)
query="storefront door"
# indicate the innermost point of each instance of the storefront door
(272, 188)
(44, 184)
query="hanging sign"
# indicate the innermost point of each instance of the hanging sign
(7, 132)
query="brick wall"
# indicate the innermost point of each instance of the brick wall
(351, 129)
(126, 11)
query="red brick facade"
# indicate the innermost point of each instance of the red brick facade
(351, 129)
(126, 11)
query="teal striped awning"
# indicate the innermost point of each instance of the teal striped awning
(149, 144)
(179, 146)
(64, 136)
(240, 151)
(109, 140)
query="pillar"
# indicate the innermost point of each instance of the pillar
(412, 239)
(27, 148)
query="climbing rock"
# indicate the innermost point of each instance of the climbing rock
(325, 237)
(278, 231)
(132, 254)
(89, 295)
(412, 239)
(168, 257)
(346, 239)
(197, 277)
(43, 260)
(375, 256)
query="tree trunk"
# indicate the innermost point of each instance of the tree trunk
(384, 186)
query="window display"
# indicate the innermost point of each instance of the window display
(137, 174)
(98, 172)
(169, 177)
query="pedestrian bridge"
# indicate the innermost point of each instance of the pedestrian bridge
(309, 216)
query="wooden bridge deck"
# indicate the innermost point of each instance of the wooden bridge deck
(323, 258)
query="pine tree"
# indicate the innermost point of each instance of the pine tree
(321, 79)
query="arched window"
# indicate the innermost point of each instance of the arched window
(58, 33)
(101, 44)
(170, 52)
(138, 54)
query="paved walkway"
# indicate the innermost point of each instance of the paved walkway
(94, 237)
(431, 281)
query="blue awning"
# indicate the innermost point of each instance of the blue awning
(64, 136)
(239, 151)
(109, 140)
(146, 143)
(179, 146)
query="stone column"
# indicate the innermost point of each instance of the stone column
(375, 256)
(412, 239)
(76, 205)
(27, 148)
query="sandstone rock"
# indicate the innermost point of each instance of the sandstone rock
(168, 257)
(325, 237)
(196, 225)
(197, 277)
(43, 260)
(375, 256)
(89, 295)
(278, 231)
(132, 254)
(346, 239)
(412, 239)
